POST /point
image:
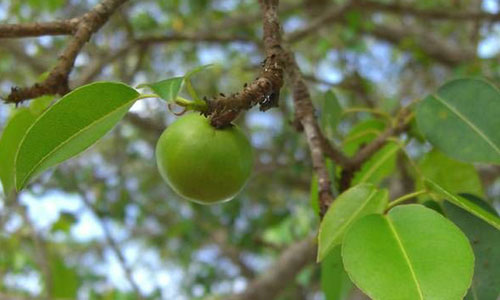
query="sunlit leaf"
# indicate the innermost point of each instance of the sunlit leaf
(453, 175)
(9, 143)
(379, 166)
(351, 205)
(70, 126)
(412, 252)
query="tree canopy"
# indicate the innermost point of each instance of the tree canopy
(334, 95)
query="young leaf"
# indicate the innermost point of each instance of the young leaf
(455, 176)
(485, 241)
(412, 252)
(464, 203)
(351, 205)
(361, 134)
(167, 89)
(9, 142)
(335, 282)
(70, 126)
(379, 166)
(188, 75)
(331, 112)
(462, 120)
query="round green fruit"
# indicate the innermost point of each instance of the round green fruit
(201, 163)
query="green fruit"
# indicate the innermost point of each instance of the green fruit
(201, 163)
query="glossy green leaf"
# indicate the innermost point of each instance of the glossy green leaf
(9, 143)
(412, 253)
(351, 205)
(335, 282)
(453, 175)
(379, 166)
(330, 113)
(70, 126)
(464, 203)
(485, 241)
(461, 119)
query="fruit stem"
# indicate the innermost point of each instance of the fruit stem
(196, 105)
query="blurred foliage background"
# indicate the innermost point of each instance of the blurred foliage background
(105, 226)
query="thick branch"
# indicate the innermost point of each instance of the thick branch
(63, 27)
(57, 80)
(281, 273)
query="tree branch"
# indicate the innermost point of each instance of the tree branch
(281, 273)
(304, 112)
(367, 151)
(57, 80)
(64, 27)
(266, 88)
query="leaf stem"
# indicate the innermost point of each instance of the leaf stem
(144, 96)
(404, 198)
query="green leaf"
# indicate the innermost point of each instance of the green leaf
(170, 88)
(314, 195)
(351, 205)
(485, 241)
(335, 282)
(361, 134)
(189, 74)
(464, 203)
(331, 113)
(461, 120)
(70, 126)
(379, 166)
(453, 175)
(64, 280)
(167, 89)
(9, 143)
(411, 253)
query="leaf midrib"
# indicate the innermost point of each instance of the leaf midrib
(44, 158)
(406, 257)
(468, 122)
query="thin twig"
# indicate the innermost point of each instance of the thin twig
(57, 80)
